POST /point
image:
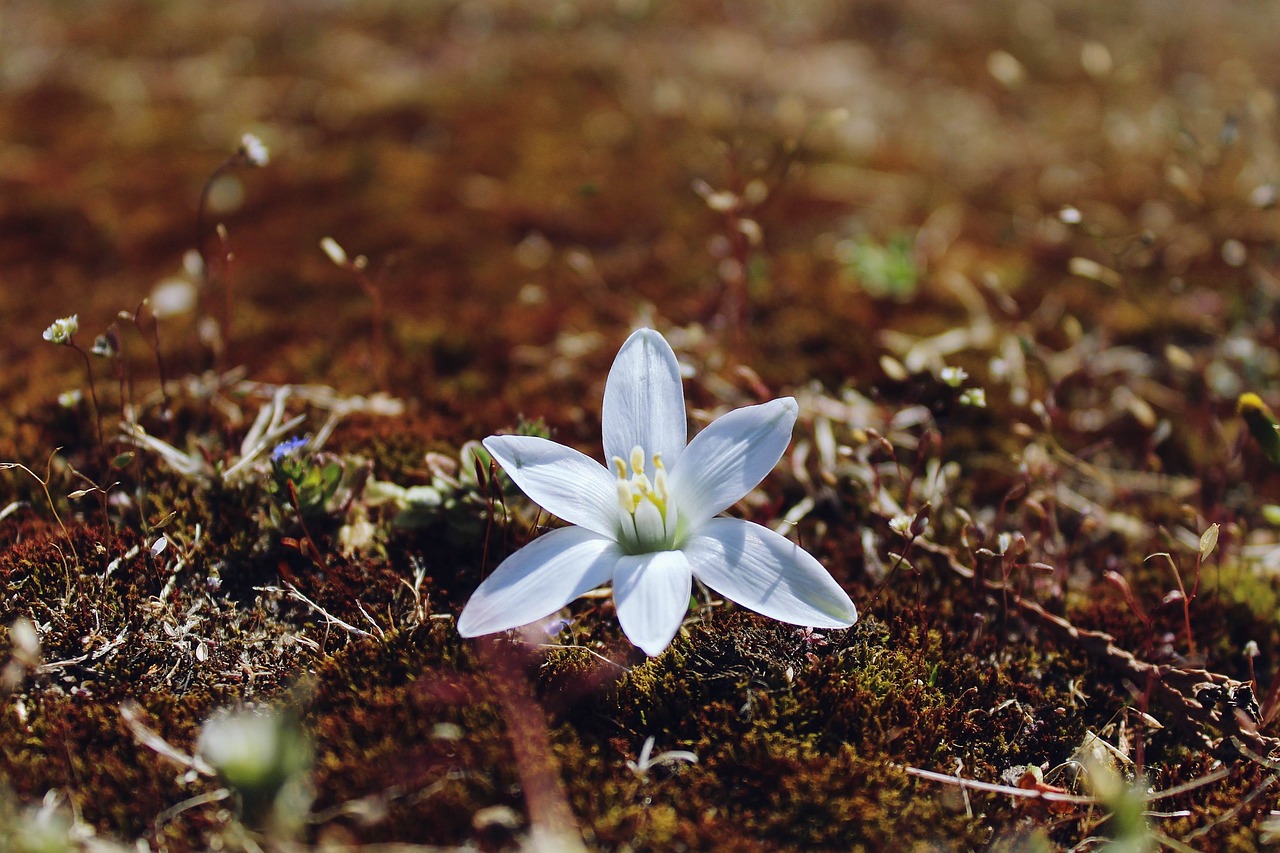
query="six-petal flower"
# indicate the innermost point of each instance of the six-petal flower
(649, 525)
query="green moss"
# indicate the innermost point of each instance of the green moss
(1249, 587)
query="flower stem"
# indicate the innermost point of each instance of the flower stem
(306, 533)
(375, 295)
(93, 393)
(154, 344)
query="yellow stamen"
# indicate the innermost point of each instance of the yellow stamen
(648, 521)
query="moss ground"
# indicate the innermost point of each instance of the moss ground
(1072, 202)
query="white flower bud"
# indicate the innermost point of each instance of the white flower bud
(335, 252)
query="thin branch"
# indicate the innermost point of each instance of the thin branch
(1007, 790)
(297, 595)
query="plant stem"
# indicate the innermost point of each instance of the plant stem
(44, 484)
(375, 294)
(93, 393)
(315, 549)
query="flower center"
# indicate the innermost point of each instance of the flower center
(648, 516)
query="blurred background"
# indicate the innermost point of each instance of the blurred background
(529, 179)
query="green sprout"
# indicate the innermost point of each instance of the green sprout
(306, 482)
(884, 270)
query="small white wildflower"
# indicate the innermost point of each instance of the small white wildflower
(975, 397)
(70, 399)
(60, 331)
(1070, 215)
(953, 376)
(254, 151)
(901, 524)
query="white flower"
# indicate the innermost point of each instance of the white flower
(649, 525)
(901, 524)
(254, 151)
(60, 331)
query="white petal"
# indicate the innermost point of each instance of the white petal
(538, 580)
(651, 593)
(729, 458)
(644, 400)
(768, 573)
(568, 484)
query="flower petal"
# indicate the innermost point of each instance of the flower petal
(729, 458)
(644, 400)
(568, 484)
(768, 573)
(538, 580)
(651, 593)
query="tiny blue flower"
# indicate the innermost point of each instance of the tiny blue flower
(288, 448)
